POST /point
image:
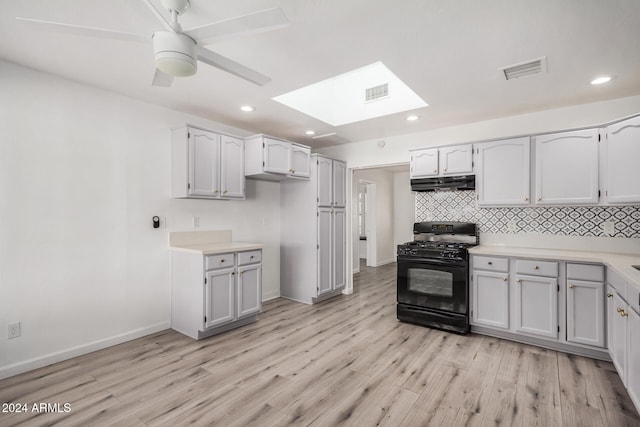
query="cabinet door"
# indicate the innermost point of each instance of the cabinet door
(620, 337)
(502, 172)
(219, 297)
(300, 163)
(204, 160)
(249, 289)
(633, 356)
(277, 156)
(339, 248)
(232, 167)
(456, 160)
(339, 179)
(536, 307)
(325, 185)
(567, 168)
(585, 312)
(623, 152)
(610, 313)
(490, 299)
(324, 250)
(424, 163)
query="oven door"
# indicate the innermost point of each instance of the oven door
(434, 284)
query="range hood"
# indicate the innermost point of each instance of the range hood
(444, 183)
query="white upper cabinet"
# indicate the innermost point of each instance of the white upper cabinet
(339, 183)
(206, 165)
(300, 164)
(566, 168)
(454, 160)
(424, 163)
(231, 167)
(277, 156)
(622, 154)
(331, 182)
(275, 159)
(502, 173)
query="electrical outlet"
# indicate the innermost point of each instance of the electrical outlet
(609, 228)
(512, 226)
(14, 330)
(196, 222)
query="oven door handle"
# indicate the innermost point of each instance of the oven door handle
(448, 263)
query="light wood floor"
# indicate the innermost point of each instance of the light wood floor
(343, 362)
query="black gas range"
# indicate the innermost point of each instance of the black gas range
(433, 275)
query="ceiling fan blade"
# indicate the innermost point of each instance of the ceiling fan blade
(252, 23)
(84, 30)
(161, 79)
(226, 64)
(159, 16)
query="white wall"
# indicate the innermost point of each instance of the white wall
(404, 213)
(384, 251)
(396, 150)
(82, 172)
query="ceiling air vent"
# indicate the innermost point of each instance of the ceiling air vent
(376, 92)
(527, 68)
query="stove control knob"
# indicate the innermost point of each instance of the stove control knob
(414, 252)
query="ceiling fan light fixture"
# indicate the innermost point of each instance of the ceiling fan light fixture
(175, 53)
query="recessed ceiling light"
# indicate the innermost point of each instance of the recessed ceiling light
(247, 108)
(412, 118)
(310, 132)
(600, 80)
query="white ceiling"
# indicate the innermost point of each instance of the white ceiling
(448, 51)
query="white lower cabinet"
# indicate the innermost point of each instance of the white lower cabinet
(619, 337)
(214, 293)
(633, 349)
(585, 304)
(536, 305)
(491, 299)
(558, 304)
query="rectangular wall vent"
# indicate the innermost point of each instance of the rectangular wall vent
(527, 68)
(376, 92)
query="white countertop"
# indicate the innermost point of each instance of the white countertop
(621, 263)
(216, 248)
(208, 242)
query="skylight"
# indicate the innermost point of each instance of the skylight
(361, 94)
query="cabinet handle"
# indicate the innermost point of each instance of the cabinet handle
(504, 279)
(251, 257)
(293, 171)
(215, 191)
(435, 171)
(526, 199)
(536, 268)
(624, 313)
(570, 286)
(221, 261)
(445, 169)
(609, 295)
(233, 273)
(518, 280)
(539, 199)
(619, 310)
(489, 263)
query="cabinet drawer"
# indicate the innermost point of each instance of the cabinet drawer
(537, 268)
(491, 263)
(249, 257)
(617, 282)
(592, 273)
(218, 261)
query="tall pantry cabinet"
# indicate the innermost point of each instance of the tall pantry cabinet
(313, 234)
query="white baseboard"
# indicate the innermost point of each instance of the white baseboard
(386, 261)
(356, 270)
(59, 356)
(270, 296)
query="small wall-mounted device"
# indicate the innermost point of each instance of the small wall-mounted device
(156, 222)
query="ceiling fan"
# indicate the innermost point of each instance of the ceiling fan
(177, 52)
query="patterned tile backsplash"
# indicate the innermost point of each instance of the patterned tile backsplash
(565, 220)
